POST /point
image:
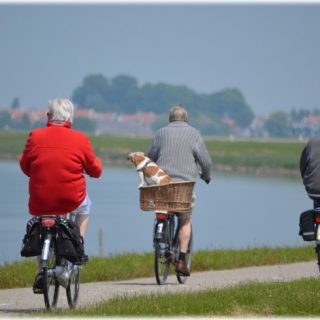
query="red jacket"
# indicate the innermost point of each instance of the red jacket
(55, 158)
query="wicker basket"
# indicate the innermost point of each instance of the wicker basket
(175, 197)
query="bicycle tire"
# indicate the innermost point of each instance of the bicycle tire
(317, 250)
(50, 283)
(182, 279)
(73, 287)
(161, 262)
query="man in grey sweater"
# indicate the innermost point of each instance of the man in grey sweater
(180, 151)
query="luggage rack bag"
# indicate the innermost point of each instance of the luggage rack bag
(174, 197)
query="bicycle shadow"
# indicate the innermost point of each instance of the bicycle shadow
(20, 311)
(147, 284)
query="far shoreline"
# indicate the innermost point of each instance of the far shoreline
(223, 168)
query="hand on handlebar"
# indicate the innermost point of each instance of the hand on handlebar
(207, 181)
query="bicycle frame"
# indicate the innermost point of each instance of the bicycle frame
(49, 225)
(166, 245)
(164, 227)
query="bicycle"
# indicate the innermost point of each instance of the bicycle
(166, 246)
(56, 270)
(166, 201)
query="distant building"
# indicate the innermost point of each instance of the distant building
(105, 123)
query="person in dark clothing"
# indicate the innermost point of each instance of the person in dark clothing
(310, 169)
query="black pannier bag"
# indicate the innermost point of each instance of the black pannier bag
(307, 225)
(69, 241)
(32, 241)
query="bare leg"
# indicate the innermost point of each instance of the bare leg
(184, 234)
(82, 220)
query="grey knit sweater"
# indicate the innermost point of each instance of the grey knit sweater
(179, 150)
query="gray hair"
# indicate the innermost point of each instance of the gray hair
(61, 110)
(178, 113)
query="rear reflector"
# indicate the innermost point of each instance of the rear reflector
(48, 222)
(161, 216)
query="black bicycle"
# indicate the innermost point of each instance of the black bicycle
(166, 246)
(56, 271)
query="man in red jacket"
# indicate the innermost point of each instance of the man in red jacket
(55, 159)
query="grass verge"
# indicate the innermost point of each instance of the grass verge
(131, 266)
(296, 298)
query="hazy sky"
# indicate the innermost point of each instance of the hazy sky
(270, 52)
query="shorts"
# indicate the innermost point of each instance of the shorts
(187, 215)
(84, 207)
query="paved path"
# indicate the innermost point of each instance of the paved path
(15, 302)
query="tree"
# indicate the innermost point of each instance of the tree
(278, 125)
(228, 102)
(209, 125)
(93, 93)
(124, 93)
(5, 120)
(15, 104)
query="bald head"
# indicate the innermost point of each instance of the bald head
(178, 113)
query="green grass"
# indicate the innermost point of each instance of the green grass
(296, 298)
(130, 266)
(256, 154)
(114, 150)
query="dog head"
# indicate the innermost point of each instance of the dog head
(136, 158)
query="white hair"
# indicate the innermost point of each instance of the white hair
(61, 110)
(178, 113)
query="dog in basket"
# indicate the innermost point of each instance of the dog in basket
(149, 172)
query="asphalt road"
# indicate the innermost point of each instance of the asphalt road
(21, 302)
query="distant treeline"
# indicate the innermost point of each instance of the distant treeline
(122, 94)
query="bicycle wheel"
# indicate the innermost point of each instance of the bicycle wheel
(183, 279)
(73, 287)
(50, 283)
(161, 262)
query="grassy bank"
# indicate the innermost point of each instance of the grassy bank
(130, 266)
(226, 155)
(296, 298)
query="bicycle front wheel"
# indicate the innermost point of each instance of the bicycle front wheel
(183, 279)
(73, 287)
(161, 262)
(50, 283)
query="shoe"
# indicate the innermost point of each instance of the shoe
(170, 258)
(182, 269)
(38, 284)
(84, 259)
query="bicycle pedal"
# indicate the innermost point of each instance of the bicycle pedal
(38, 290)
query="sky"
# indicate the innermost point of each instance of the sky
(271, 52)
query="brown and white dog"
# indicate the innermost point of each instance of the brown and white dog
(149, 172)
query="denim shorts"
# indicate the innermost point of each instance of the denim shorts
(84, 207)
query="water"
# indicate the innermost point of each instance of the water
(235, 211)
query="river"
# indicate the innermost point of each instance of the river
(234, 211)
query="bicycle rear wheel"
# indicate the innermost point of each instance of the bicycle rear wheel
(161, 262)
(183, 279)
(50, 283)
(73, 287)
